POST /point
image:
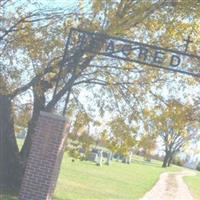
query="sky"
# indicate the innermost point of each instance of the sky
(60, 3)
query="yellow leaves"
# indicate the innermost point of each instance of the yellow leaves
(97, 6)
(3, 85)
(196, 28)
(123, 135)
(184, 133)
(81, 131)
(170, 122)
(110, 80)
(22, 118)
(81, 124)
(97, 123)
(27, 38)
(154, 25)
(148, 142)
(147, 113)
(174, 116)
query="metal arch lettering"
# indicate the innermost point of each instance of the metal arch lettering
(141, 53)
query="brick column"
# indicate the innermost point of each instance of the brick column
(45, 158)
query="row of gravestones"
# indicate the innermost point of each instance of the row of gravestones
(99, 157)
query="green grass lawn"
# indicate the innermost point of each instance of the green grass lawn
(81, 180)
(193, 183)
(20, 143)
(84, 180)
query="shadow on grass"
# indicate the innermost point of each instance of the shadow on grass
(56, 198)
(8, 195)
(135, 161)
(147, 163)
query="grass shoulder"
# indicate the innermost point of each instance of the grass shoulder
(193, 183)
(85, 180)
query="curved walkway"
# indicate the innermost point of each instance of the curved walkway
(170, 187)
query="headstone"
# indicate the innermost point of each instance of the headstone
(100, 155)
(109, 158)
(130, 157)
(124, 160)
(45, 157)
(94, 150)
(105, 154)
(82, 150)
(93, 157)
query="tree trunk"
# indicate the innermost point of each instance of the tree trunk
(165, 161)
(170, 160)
(27, 143)
(39, 105)
(10, 168)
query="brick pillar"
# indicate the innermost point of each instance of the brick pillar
(45, 157)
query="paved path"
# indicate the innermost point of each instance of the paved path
(170, 187)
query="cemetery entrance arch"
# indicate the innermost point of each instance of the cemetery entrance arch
(131, 51)
(47, 152)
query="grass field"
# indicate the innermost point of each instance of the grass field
(81, 180)
(20, 143)
(193, 183)
(84, 180)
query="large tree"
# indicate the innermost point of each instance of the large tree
(20, 37)
(33, 51)
(174, 126)
(122, 137)
(148, 145)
